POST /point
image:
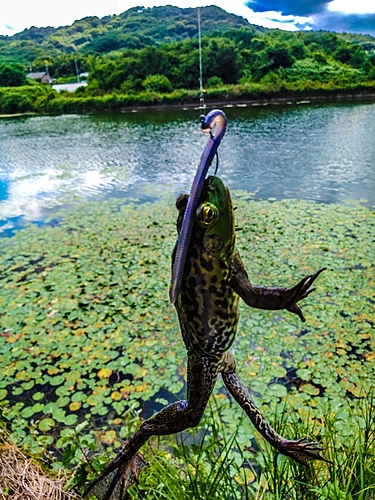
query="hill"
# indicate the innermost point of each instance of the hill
(133, 29)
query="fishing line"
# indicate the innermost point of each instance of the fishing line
(202, 105)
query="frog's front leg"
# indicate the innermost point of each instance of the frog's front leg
(123, 471)
(272, 298)
(301, 450)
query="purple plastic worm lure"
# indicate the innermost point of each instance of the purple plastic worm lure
(217, 120)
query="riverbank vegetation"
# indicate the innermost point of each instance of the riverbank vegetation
(90, 345)
(22, 478)
(240, 62)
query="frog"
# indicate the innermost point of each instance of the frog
(213, 281)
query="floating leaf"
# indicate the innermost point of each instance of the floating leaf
(46, 424)
(277, 390)
(75, 406)
(27, 412)
(59, 379)
(116, 395)
(310, 389)
(70, 419)
(58, 414)
(104, 373)
(38, 396)
(247, 476)
(28, 385)
(109, 437)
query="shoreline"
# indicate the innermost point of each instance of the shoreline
(298, 98)
(248, 103)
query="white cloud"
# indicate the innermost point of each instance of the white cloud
(350, 7)
(238, 7)
(26, 13)
(235, 6)
(31, 196)
(277, 20)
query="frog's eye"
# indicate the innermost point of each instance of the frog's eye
(206, 214)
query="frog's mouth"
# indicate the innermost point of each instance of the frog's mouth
(215, 120)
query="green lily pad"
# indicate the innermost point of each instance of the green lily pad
(70, 419)
(38, 396)
(310, 389)
(277, 390)
(46, 424)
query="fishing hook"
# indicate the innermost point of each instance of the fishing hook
(215, 121)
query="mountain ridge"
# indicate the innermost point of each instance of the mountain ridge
(134, 28)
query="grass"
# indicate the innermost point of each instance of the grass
(208, 463)
(42, 100)
(22, 478)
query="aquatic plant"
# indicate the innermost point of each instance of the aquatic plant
(87, 334)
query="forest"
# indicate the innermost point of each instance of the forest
(147, 56)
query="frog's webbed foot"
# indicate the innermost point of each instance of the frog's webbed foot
(271, 298)
(124, 469)
(299, 292)
(302, 450)
(112, 485)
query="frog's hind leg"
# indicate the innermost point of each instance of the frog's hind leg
(123, 471)
(301, 450)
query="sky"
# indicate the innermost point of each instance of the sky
(357, 16)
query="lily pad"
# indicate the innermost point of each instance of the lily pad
(310, 389)
(46, 424)
(96, 332)
(38, 396)
(70, 419)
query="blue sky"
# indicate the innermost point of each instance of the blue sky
(334, 15)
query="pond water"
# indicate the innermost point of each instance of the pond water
(321, 153)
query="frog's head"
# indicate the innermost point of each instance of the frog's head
(214, 219)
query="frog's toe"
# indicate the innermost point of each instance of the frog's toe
(302, 451)
(113, 486)
(132, 471)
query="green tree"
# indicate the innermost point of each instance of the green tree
(12, 75)
(157, 83)
(354, 56)
(221, 59)
(214, 82)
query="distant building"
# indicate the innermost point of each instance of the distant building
(41, 76)
(68, 87)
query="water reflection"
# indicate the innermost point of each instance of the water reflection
(3, 190)
(320, 153)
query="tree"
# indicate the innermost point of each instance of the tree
(354, 56)
(279, 57)
(12, 75)
(157, 83)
